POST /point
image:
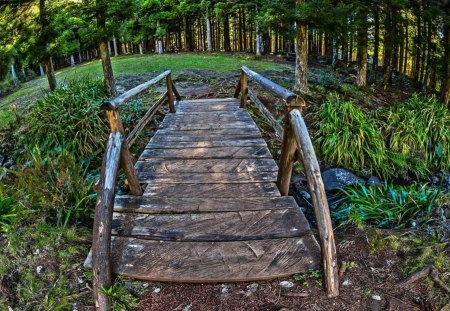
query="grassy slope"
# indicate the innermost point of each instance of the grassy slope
(141, 64)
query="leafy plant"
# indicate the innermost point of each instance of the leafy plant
(121, 298)
(387, 206)
(70, 116)
(328, 79)
(8, 212)
(347, 137)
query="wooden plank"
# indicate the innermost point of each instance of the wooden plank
(206, 117)
(213, 190)
(206, 165)
(237, 112)
(213, 261)
(206, 125)
(206, 178)
(210, 100)
(207, 153)
(160, 205)
(160, 144)
(214, 226)
(173, 137)
(210, 132)
(209, 107)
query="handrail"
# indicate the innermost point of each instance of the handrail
(118, 153)
(101, 245)
(295, 137)
(119, 100)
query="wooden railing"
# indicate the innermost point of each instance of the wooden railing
(118, 154)
(296, 138)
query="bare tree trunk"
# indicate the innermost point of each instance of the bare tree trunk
(376, 46)
(14, 75)
(116, 53)
(72, 60)
(226, 33)
(49, 70)
(208, 32)
(41, 70)
(362, 48)
(301, 59)
(109, 47)
(140, 49)
(258, 41)
(108, 76)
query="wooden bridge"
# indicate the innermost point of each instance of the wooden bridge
(207, 201)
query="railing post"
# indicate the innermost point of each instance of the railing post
(126, 161)
(238, 88)
(244, 90)
(170, 93)
(101, 245)
(320, 203)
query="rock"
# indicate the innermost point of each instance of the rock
(223, 291)
(188, 307)
(338, 178)
(39, 269)
(376, 297)
(373, 181)
(286, 284)
(157, 290)
(250, 289)
(346, 283)
(445, 179)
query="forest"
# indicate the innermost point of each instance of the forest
(341, 105)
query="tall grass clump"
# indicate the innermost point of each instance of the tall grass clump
(419, 129)
(346, 136)
(387, 206)
(70, 116)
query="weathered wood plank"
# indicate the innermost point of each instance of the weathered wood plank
(160, 205)
(206, 165)
(206, 125)
(209, 100)
(206, 117)
(213, 190)
(201, 138)
(207, 178)
(160, 144)
(208, 107)
(213, 261)
(207, 153)
(208, 132)
(214, 226)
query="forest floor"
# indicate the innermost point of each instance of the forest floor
(371, 261)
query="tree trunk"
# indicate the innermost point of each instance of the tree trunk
(109, 47)
(116, 52)
(418, 51)
(362, 48)
(140, 49)
(388, 45)
(301, 59)
(376, 44)
(49, 70)
(72, 60)
(258, 41)
(226, 33)
(108, 76)
(41, 70)
(405, 60)
(14, 75)
(445, 86)
(208, 32)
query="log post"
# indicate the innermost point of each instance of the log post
(126, 161)
(244, 90)
(175, 91)
(170, 93)
(319, 200)
(101, 245)
(238, 89)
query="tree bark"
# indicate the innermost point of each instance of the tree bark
(362, 48)
(14, 75)
(51, 77)
(108, 76)
(41, 70)
(376, 45)
(226, 33)
(72, 60)
(116, 52)
(208, 32)
(301, 58)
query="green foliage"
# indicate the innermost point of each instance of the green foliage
(387, 206)
(347, 137)
(122, 299)
(328, 79)
(70, 116)
(419, 129)
(55, 185)
(306, 278)
(8, 212)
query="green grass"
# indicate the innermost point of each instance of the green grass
(136, 64)
(5, 117)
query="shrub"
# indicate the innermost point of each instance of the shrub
(70, 116)
(386, 206)
(420, 130)
(328, 79)
(55, 185)
(348, 137)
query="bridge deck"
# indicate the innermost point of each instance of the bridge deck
(211, 211)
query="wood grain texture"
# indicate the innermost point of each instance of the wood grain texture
(207, 153)
(173, 137)
(160, 205)
(160, 144)
(214, 226)
(205, 165)
(225, 261)
(207, 178)
(213, 190)
(207, 132)
(207, 125)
